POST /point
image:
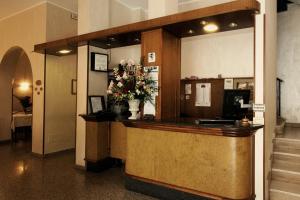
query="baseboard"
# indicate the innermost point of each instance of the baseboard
(5, 141)
(59, 152)
(293, 125)
(79, 167)
(37, 155)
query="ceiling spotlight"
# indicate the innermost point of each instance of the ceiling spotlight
(203, 22)
(112, 39)
(64, 51)
(233, 25)
(191, 31)
(210, 28)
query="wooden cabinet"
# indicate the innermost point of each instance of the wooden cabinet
(167, 49)
(97, 141)
(118, 137)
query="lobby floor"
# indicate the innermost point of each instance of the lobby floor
(25, 177)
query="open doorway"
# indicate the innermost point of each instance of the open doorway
(16, 98)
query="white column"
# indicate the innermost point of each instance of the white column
(259, 99)
(93, 15)
(159, 8)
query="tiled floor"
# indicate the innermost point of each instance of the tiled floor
(25, 177)
(291, 133)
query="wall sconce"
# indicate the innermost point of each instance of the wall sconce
(24, 86)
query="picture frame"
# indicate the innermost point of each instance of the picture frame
(73, 86)
(99, 62)
(97, 103)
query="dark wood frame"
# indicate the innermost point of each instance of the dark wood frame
(93, 63)
(102, 102)
(74, 86)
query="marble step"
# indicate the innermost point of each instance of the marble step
(289, 166)
(284, 191)
(284, 145)
(286, 157)
(286, 175)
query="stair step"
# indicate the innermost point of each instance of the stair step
(286, 176)
(284, 191)
(287, 149)
(287, 142)
(279, 156)
(288, 166)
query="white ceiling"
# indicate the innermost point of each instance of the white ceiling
(144, 3)
(11, 7)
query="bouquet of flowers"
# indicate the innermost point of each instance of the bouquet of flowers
(131, 82)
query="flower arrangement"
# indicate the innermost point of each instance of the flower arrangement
(131, 82)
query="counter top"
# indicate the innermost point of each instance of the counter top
(180, 125)
(187, 126)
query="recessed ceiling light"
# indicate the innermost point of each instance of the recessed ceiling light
(191, 31)
(233, 25)
(203, 22)
(64, 51)
(112, 39)
(108, 44)
(211, 27)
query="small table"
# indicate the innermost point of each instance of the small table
(20, 119)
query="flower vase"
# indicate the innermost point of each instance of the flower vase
(134, 108)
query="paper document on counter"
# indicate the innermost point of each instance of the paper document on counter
(203, 94)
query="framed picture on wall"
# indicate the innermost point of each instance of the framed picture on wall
(99, 62)
(73, 86)
(97, 103)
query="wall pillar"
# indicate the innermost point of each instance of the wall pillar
(93, 15)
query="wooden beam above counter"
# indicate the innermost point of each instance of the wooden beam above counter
(185, 24)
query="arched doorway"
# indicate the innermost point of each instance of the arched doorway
(16, 89)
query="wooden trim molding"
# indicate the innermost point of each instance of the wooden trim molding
(242, 10)
(218, 130)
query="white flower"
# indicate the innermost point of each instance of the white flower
(109, 92)
(111, 85)
(137, 92)
(118, 78)
(120, 84)
(123, 62)
(130, 62)
(125, 76)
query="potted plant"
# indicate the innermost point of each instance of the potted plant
(132, 84)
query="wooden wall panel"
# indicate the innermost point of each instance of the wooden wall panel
(196, 163)
(168, 54)
(188, 108)
(97, 141)
(118, 140)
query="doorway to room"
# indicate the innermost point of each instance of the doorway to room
(16, 98)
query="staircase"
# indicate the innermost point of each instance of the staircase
(285, 184)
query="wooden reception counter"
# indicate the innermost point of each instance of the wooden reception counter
(212, 161)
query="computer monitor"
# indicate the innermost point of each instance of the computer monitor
(231, 105)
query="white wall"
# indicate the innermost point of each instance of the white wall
(121, 14)
(227, 53)
(60, 104)
(24, 30)
(130, 52)
(97, 80)
(289, 62)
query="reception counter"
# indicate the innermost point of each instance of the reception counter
(167, 157)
